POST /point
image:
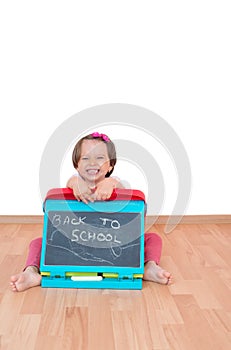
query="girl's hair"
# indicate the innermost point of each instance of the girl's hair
(76, 154)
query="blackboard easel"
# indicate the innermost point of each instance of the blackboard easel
(95, 245)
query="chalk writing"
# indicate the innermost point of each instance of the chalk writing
(113, 223)
(85, 238)
(57, 220)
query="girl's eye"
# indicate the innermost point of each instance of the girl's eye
(84, 158)
(100, 157)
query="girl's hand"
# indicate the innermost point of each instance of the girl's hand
(83, 193)
(80, 189)
(104, 189)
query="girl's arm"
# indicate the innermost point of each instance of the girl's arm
(102, 191)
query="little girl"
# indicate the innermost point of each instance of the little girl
(94, 157)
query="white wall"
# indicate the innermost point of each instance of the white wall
(61, 57)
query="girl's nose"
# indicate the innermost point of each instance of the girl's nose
(92, 161)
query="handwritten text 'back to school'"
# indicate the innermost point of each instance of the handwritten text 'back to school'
(78, 230)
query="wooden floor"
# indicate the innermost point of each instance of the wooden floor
(193, 313)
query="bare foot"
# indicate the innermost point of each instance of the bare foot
(26, 279)
(155, 273)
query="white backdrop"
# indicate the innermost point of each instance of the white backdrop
(171, 57)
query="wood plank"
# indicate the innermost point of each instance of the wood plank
(100, 327)
(76, 330)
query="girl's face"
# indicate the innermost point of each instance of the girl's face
(94, 162)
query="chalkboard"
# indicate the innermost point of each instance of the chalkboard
(83, 238)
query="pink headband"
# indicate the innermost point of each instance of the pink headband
(101, 136)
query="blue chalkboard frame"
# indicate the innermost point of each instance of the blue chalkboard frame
(56, 276)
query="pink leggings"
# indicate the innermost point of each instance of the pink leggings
(152, 250)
